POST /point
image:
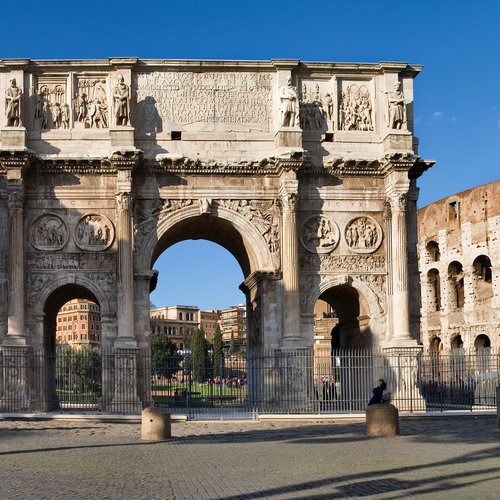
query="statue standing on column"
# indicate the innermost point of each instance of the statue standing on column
(13, 104)
(121, 97)
(288, 105)
(397, 108)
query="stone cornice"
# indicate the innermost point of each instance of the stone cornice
(272, 166)
(15, 160)
(126, 160)
(88, 166)
(420, 167)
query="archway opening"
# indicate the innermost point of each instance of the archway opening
(351, 317)
(483, 283)
(70, 361)
(456, 285)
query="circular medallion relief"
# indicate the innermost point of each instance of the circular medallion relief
(319, 234)
(94, 232)
(48, 232)
(363, 234)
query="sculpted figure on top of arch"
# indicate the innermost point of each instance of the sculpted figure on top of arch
(122, 102)
(13, 104)
(363, 235)
(319, 234)
(397, 107)
(289, 105)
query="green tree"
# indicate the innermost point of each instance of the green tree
(79, 371)
(165, 361)
(198, 355)
(218, 355)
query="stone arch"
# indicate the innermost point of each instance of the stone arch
(433, 290)
(235, 233)
(357, 306)
(482, 278)
(432, 251)
(456, 285)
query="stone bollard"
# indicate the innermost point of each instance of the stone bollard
(498, 405)
(156, 424)
(382, 420)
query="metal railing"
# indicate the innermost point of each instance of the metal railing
(278, 381)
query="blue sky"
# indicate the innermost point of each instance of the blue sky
(457, 95)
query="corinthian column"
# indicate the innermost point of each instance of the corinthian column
(289, 261)
(125, 306)
(400, 292)
(16, 334)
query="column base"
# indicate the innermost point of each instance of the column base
(15, 379)
(13, 138)
(122, 137)
(288, 137)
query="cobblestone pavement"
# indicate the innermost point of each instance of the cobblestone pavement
(432, 458)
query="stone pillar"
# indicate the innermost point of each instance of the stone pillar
(400, 302)
(125, 398)
(125, 302)
(290, 263)
(16, 334)
(388, 243)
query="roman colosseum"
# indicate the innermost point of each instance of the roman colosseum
(459, 260)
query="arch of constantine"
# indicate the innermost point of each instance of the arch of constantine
(305, 172)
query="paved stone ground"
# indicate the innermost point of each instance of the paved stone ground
(432, 458)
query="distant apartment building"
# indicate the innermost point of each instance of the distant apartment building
(178, 322)
(79, 323)
(210, 322)
(233, 322)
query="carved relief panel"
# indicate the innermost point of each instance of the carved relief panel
(356, 105)
(319, 234)
(94, 232)
(363, 234)
(316, 110)
(90, 103)
(48, 232)
(51, 103)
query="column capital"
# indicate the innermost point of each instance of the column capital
(398, 202)
(124, 200)
(289, 194)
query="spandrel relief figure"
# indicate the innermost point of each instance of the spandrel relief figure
(122, 102)
(363, 235)
(13, 104)
(319, 234)
(356, 109)
(397, 107)
(288, 105)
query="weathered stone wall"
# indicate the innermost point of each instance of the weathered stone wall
(460, 243)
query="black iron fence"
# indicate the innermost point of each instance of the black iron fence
(276, 382)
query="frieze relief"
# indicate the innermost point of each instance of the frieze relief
(94, 232)
(35, 282)
(65, 261)
(316, 109)
(90, 105)
(355, 107)
(50, 104)
(363, 235)
(48, 232)
(342, 263)
(184, 98)
(319, 234)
